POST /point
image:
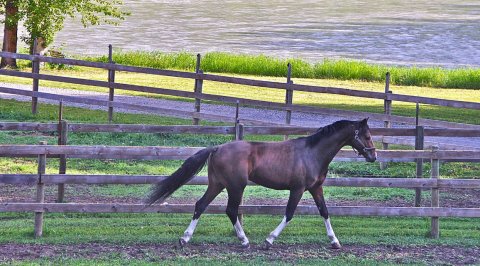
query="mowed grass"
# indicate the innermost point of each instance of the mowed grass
(275, 95)
(216, 228)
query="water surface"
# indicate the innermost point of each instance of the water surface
(443, 32)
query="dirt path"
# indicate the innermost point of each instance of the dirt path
(286, 253)
(298, 118)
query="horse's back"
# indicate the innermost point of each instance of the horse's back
(244, 150)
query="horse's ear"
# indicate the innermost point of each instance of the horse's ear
(364, 121)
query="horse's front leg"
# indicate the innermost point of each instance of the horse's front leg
(317, 194)
(234, 200)
(295, 196)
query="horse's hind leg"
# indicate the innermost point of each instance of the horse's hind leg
(234, 200)
(295, 196)
(317, 194)
(212, 191)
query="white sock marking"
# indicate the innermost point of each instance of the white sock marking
(240, 233)
(189, 232)
(330, 233)
(275, 233)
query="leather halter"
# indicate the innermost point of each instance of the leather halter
(364, 150)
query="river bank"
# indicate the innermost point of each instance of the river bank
(262, 65)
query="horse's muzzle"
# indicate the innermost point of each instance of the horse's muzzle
(370, 155)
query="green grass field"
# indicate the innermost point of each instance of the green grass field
(119, 230)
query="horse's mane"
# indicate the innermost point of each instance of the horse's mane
(326, 131)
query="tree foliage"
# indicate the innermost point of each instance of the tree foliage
(44, 18)
(11, 20)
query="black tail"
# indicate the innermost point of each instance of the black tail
(187, 171)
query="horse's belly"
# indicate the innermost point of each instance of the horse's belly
(274, 182)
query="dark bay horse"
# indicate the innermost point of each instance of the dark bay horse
(297, 165)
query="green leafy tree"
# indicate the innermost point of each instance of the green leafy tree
(42, 19)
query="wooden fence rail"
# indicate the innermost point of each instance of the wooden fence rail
(177, 153)
(384, 134)
(244, 209)
(223, 130)
(424, 183)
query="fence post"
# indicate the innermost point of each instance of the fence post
(62, 140)
(419, 145)
(288, 98)
(237, 120)
(198, 89)
(35, 83)
(111, 79)
(42, 159)
(435, 224)
(239, 131)
(387, 107)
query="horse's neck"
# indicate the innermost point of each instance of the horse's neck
(327, 148)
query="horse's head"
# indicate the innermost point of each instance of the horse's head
(361, 141)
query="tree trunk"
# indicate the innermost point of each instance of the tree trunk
(10, 33)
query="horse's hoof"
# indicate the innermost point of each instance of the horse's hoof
(182, 243)
(266, 245)
(336, 245)
(246, 246)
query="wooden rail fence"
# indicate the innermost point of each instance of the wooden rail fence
(168, 153)
(289, 87)
(63, 128)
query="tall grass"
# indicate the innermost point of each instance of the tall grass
(261, 65)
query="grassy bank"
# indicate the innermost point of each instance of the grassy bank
(261, 65)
